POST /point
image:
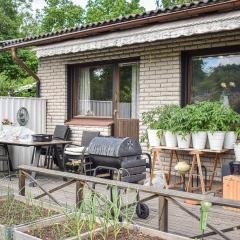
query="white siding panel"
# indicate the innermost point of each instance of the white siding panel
(36, 107)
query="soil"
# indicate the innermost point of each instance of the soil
(126, 235)
(57, 231)
(14, 212)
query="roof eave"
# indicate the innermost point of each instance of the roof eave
(165, 17)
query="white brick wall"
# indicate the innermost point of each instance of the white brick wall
(160, 74)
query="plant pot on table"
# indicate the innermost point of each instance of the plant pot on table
(171, 139)
(153, 137)
(199, 139)
(216, 140)
(237, 151)
(229, 140)
(183, 141)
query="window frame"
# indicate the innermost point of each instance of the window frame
(186, 67)
(72, 89)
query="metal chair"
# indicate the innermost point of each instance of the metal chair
(5, 158)
(75, 156)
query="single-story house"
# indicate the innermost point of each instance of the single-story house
(103, 76)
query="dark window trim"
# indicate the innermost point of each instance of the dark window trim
(70, 87)
(186, 66)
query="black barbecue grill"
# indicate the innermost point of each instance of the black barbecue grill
(120, 153)
(122, 156)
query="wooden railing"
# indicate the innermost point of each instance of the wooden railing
(164, 195)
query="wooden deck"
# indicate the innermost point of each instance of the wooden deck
(179, 222)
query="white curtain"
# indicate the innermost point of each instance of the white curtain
(135, 90)
(84, 106)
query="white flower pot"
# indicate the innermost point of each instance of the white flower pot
(216, 140)
(183, 141)
(237, 151)
(153, 138)
(230, 140)
(199, 139)
(171, 139)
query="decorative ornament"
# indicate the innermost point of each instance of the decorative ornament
(22, 116)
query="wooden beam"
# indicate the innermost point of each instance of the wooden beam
(45, 191)
(21, 183)
(219, 232)
(56, 188)
(160, 192)
(225, 230)
(163, 214)
(79, 193)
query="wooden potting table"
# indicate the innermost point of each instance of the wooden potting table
(196, 159)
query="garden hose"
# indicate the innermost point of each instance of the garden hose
(205, 206)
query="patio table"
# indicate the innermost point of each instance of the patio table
(37, 150)
(196, 158)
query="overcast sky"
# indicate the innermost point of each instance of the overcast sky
(148, 4)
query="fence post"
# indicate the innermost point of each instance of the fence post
(21, 182)
(163, 214)
(79, 193)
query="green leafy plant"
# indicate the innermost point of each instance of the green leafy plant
(151, 119)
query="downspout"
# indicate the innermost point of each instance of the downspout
(17, 60)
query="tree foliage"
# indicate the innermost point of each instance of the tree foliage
(59, 14)
(18, 20)
(14, 17)
(99, 10)
(169, 3)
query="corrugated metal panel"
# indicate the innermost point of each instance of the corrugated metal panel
(36, 107)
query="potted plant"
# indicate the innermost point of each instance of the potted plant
(233, 123)
(198, 119)
(182, 128)
(217, 124)
(168, 122)
(153, 134)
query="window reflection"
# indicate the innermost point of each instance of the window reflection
(216, 76)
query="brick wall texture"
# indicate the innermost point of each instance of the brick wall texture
(160, 76)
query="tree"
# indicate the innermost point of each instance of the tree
(99, 10)
(13, 13)
(169, 3)
(59, 14)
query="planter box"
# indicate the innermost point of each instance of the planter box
(20, 232)
(6, 232)
(148, 232)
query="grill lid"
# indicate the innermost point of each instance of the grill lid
(114, 147)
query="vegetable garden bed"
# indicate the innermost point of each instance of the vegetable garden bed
(16, 211)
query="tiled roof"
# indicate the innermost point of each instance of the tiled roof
(121, 19)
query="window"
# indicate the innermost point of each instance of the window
(97, 91)
(94, 96)
(210, 77)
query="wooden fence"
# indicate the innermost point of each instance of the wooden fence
(164, 195)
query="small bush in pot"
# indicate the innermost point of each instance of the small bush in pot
(198, 121)
(182, 127)
(153, 133)
(168, 119)
(233, 124)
